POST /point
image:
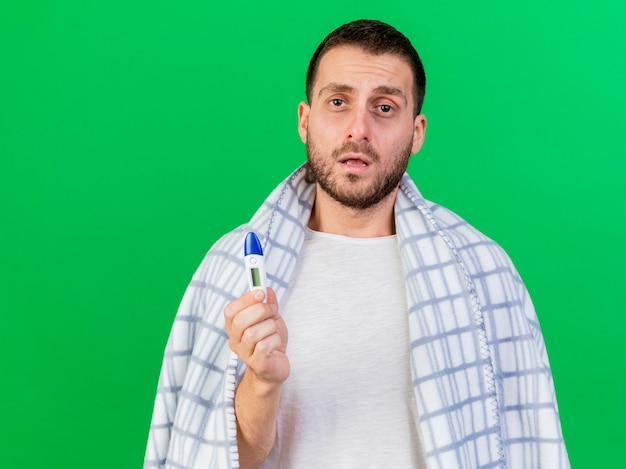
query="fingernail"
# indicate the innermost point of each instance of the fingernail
(258, 295)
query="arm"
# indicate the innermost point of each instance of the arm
(258, 335)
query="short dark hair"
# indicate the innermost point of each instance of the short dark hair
(376, 38)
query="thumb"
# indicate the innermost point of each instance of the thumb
(271, 299)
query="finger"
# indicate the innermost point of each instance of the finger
(262, 363)
(272, 300)
(244, 301)
(255, 334)
(247, 318)
(264, 348)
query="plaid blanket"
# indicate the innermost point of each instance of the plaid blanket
(481, 375)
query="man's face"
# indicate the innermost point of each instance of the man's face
(359, 128)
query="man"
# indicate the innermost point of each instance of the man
(393, 334)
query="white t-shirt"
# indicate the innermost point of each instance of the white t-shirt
(349, 401)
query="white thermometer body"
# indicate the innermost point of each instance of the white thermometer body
(254, 263)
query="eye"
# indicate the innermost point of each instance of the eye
(385, 108)
(336, 102)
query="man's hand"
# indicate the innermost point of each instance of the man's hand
(258, 335)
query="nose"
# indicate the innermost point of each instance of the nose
(360, 127)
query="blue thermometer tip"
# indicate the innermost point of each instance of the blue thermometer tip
(252, 245)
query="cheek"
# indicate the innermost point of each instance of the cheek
(327, 124)
(399, 143)
(407, 135)
(324, 136)
(319, 126)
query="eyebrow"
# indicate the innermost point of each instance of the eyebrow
(336, 88)
(343, 88)
(391, 90)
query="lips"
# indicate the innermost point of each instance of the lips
(354, 162)
(355, 159)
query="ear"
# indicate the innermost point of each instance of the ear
(419, 133)
(303, 120)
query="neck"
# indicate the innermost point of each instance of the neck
(330, 216)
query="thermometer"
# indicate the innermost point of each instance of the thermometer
(254, 262)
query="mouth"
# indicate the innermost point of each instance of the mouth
(354, 163)
(353, 159)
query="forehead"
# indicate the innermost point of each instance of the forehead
(353, 66)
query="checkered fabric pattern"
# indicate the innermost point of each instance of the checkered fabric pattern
(481, 374)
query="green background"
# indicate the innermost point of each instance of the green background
(128, 130)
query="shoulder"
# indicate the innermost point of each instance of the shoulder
(440, 218)
(475, 248)
(223, 259)
(480, 253)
